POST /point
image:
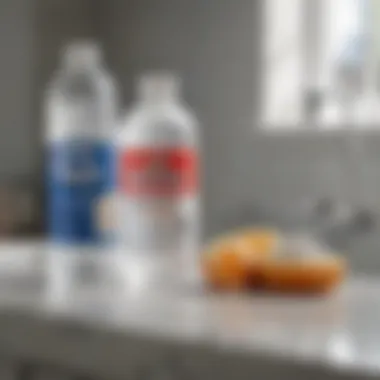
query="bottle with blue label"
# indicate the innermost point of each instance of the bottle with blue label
(80, 116)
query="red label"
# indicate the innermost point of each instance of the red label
(158, 171)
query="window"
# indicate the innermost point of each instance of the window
(321, 64)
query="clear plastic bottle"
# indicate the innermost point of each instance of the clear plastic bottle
(158, 219)
(80, 109)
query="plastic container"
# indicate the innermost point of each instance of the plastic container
(158, 218)
(80, 109)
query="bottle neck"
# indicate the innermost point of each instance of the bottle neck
(158, 90)
(81, 59)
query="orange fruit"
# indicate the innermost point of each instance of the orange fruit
(224, 267)
(234, 261)
(258, 243)
(249, 259)
(297, 276)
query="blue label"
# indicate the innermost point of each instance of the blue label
(79, 175)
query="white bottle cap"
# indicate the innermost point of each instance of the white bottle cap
(158, 86)
(81, 54)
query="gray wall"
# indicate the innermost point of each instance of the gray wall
(214, 44)
(18, 156)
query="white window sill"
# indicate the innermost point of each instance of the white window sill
(302, 129)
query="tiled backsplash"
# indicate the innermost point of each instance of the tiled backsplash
(341, 167)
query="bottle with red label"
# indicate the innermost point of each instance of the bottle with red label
(157, 173)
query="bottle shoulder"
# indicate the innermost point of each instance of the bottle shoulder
(80, 104)
(171, 124)
(81, 84)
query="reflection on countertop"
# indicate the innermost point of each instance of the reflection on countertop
(340, 332)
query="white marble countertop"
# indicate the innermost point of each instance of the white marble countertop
(188, 331)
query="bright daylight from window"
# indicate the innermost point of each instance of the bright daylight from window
(321, 64)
